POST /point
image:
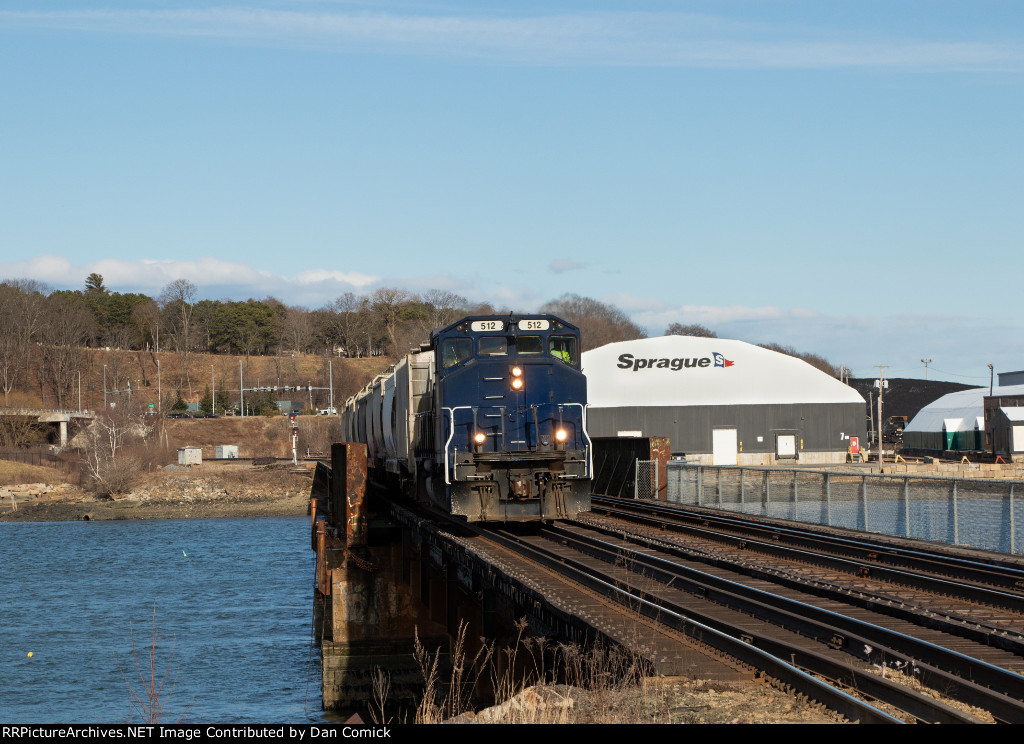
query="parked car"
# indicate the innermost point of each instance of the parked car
(329, 411)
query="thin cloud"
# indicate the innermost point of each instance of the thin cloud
(148, 275)
(561, 265)
(591, 39)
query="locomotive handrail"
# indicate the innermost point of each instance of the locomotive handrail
(583, 419)
(451, 434)
(586, 435)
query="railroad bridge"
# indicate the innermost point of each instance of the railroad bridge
(59, 418)
(389, 579)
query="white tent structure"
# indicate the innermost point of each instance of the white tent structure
(721, 401)
(956, 421)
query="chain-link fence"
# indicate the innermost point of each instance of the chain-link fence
(646, 479)
(979, 512)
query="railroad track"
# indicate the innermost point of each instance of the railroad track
(874, 555)
(980, 624)
(839, 646)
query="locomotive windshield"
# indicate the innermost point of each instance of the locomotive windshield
(493, 346)
(487, 340)
(457, 350)
(529, 345)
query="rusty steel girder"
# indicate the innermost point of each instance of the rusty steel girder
(349, 506)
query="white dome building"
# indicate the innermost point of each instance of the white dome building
(722, 402)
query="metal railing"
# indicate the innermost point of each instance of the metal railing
(979, 512)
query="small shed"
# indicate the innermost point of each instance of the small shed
(1007, 428)
(227, 451)
(190, 455)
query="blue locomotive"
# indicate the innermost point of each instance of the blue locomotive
(487, 421)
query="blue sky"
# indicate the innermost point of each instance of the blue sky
(845, 178)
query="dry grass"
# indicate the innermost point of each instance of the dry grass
(531, 681)
(535, 681)
(16, 473)
(141, 368)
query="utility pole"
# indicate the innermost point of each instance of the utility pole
(104, 388)
(213, 393)
(330, 372)
(881, 386)
(159, 392)
(926, 363)
(990, 375)
(241, 389)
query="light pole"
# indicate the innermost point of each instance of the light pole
(881, 387)
(926, 362)
(990, 374)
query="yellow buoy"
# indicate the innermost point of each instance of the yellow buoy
(30, 654)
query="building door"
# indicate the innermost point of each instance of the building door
(1018, 439)
(723, 447)
(785, 446)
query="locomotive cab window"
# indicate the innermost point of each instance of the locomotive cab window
(456, 350)
(529, 345)
(492, 346)
(563, 348)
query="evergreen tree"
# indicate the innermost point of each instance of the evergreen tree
(206, 403)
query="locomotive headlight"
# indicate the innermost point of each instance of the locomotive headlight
(561, 435)
(480, 437)
(517, 383)
(517, 371)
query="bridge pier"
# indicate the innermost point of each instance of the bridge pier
(391, 584)
(372, 599)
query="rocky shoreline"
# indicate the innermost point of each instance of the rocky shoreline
(196, 493)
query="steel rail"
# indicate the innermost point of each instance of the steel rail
(773, 665)
(998, 690)
(927, 582)
(976, 631)
(996, 572)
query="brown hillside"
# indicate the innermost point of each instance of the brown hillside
(139, 371)
(255, 436)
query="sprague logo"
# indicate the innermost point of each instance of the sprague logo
(628, 361)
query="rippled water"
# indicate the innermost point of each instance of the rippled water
(233, 602)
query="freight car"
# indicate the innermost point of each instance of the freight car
(487, 421)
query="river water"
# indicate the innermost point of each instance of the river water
(232, 601)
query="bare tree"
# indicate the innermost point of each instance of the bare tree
(177, 300)
(599, 323)
(68, 327)
(815, 360)
(442, 308)
(22, 305)
(111, 466)
(694, 329)
(147, 320)
(296, 330)
(350, 323)
(387, 304)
